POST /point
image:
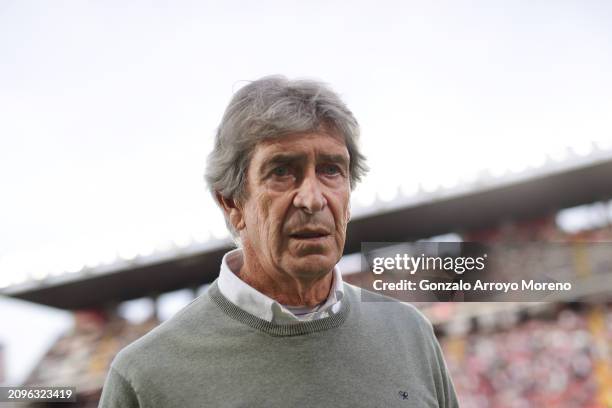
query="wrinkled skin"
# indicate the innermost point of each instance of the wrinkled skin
(293, 221)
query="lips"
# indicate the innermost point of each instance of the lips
(309, 234)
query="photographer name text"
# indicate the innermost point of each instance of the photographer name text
(478, 285)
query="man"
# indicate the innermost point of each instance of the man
(279, 328)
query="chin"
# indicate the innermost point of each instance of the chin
(312, 265)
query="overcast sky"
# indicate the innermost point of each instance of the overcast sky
(108, 109)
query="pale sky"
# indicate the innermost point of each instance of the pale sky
(108, 109)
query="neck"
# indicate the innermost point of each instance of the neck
(283, 287)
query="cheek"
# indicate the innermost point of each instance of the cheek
(267, 220)
(255, 216)
(340, 209)
(277, 212)
(263, 209)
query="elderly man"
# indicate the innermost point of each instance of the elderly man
(279, 328)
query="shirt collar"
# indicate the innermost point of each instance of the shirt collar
(256, 303)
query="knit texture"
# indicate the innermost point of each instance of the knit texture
(213, 354)
(294, 329)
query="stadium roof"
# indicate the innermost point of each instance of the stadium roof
(469, 207)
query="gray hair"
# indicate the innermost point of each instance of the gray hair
(269, 108)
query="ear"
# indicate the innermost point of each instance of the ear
(232, 211)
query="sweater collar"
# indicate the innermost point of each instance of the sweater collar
(297, 328)
(257, 304)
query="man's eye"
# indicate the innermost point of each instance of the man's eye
(281, 171)
(330, 169)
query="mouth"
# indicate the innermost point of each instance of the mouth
(309, 235)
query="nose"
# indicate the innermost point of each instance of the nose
(309, 197)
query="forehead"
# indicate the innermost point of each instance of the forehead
(319, 142)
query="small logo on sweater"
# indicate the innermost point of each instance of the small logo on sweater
(403, 395)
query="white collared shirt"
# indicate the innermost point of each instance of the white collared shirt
(256, 303)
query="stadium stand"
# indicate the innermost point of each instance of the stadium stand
(506, 354)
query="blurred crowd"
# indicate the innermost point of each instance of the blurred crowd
(564, 361)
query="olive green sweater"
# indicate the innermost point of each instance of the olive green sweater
(372, 353)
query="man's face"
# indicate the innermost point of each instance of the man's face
(297, 208)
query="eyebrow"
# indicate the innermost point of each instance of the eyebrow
(334, 158)
(285, 158)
